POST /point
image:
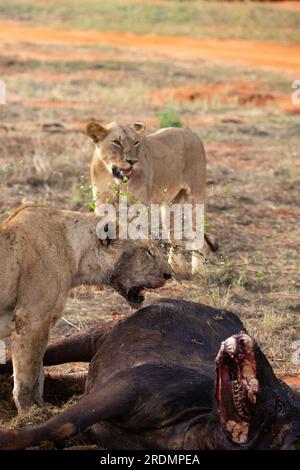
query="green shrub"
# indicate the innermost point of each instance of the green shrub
(170, 117)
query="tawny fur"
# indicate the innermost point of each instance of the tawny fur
(167, 166)
(45, 252)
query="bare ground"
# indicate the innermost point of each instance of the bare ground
(251, 135)
(265, 54)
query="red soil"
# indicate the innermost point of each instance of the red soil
(40, 103)
(260, 54)
(231, 93)
(283, 5)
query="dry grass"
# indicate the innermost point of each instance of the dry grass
(197, 18)
(253, 185)
(253, 179)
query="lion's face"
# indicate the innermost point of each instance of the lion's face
(140, 265)
(129, 266)
(117, 146)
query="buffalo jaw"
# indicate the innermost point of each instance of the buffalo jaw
(237, 386)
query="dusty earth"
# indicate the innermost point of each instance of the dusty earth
(235, 94)
(250, 53)
(232, 93)
(285, 5)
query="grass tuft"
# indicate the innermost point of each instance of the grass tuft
(170, 117)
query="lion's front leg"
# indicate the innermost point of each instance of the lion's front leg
(29, 341)
(179, 258)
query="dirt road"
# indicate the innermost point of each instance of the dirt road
(260, 54)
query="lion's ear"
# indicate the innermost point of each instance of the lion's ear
(139, 127)
(96, 131)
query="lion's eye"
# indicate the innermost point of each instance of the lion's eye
(137, 143)
(117, 143)
(147, 251)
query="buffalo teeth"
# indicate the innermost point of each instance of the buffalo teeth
(237, 393)
(252, 386)
(238, 431)
(230, 345)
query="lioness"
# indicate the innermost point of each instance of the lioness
(45, 252)
(167, 166)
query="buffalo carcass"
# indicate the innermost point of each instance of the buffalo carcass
(173, 375)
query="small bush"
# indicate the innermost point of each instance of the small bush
(170, 117)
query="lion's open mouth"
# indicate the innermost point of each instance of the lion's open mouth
(237, 386)
(136, 295)
(121, 173)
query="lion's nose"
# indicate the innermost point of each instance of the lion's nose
(167, 276)
(131, 162)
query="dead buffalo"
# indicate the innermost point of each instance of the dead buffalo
(173, 375)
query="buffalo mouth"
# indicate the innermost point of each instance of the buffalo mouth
(237, 386)
(122, 173)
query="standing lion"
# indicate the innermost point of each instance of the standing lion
(166, 167)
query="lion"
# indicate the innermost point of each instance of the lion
(44, 253)
(167, 166)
